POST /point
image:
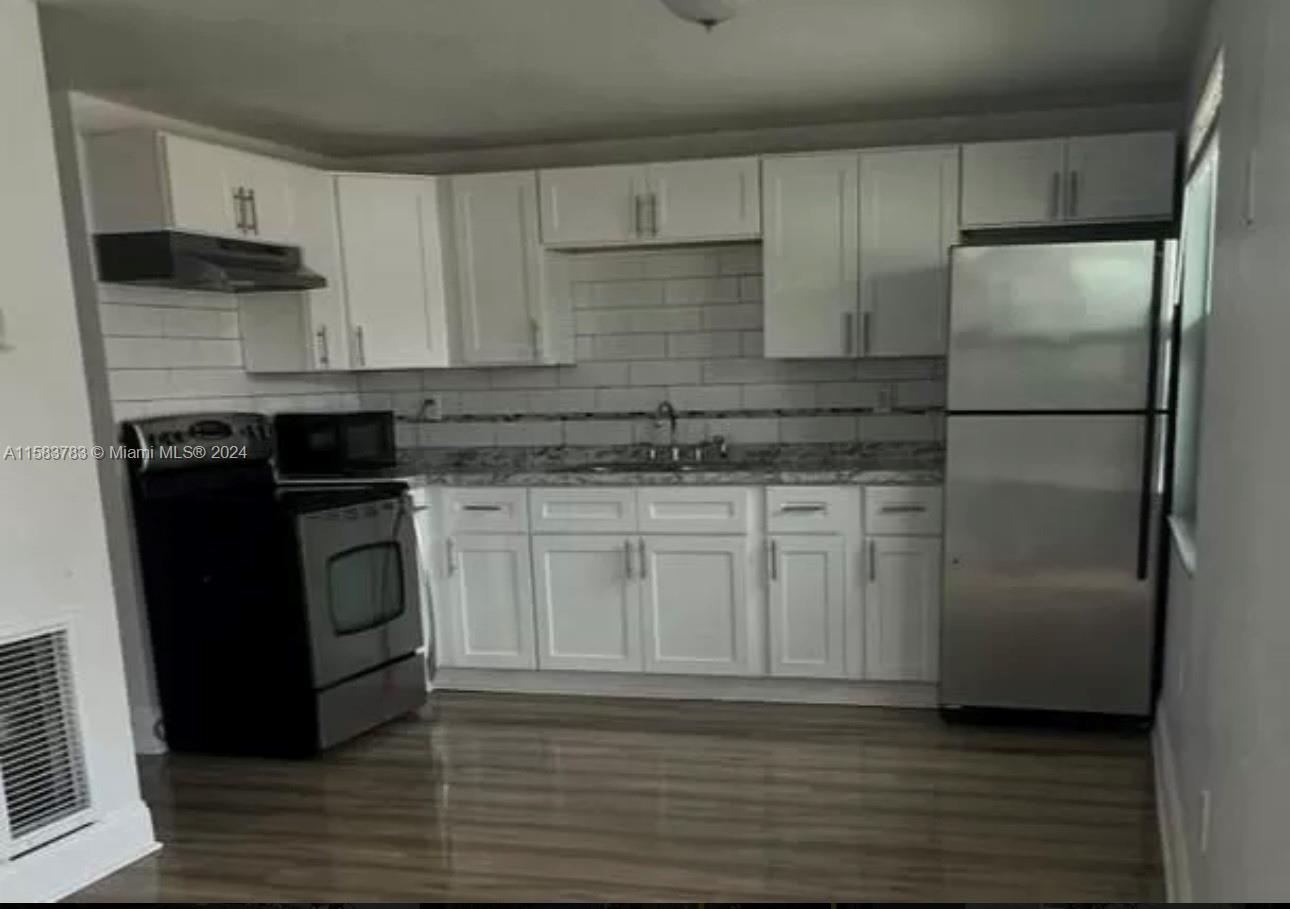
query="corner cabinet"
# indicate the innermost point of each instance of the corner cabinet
(856, 252)
(392, 262)
(672, 202)
(1079, 180)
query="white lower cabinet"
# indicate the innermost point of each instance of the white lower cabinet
(902, 606)
(807, 580)
(695, 591)
(588, 602)
(489, 608)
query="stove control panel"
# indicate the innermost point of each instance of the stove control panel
(197, 440)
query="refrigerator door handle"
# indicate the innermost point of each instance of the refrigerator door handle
(1144, 496)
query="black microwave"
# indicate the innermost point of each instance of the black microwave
(338, 444)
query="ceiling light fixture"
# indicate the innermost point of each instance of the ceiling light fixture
(708, 13)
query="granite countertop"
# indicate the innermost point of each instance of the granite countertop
(832, 464)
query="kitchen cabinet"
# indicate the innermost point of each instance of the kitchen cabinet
(499, 264)
(668, 202)
(902, 603)
(148, 180)
(810, 250)
(1087, 179)
(806, 579)
(394, 280)
(908, 222)
(487, 602)
(695, 604)
(588, 602)
(305, 331)
(1113, 178)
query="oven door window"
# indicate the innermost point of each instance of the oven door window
(365, 587)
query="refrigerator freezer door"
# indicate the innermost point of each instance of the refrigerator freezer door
(1044, 607)
(1051, 327)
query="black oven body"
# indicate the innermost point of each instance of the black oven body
(237, 593)
(334, 444)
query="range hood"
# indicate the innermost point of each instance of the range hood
(185, 261)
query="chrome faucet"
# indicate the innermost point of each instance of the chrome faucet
(666, 411)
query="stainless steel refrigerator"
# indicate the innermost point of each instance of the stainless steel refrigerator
(1054, 473)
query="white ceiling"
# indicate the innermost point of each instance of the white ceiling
(376, 76)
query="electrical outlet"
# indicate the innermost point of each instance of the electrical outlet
(1205, 805)
(431, 409)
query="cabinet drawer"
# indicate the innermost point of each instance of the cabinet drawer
(703, 509)
(909, 510)
(583, 510)
(486, 510)
(813, 509)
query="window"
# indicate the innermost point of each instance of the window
(1195, 251)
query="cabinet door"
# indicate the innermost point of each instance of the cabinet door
(592, 206)
(704, 200)
(588, 603)
(908, 221)
(1013, 183)
(810, 252)
(902, 608)
(807, 579)
(272, 206)
(201, 181)
(495, 227)
(1125, 177)
(317, 233)
(695, 609)
(393, 271)
(490, 589)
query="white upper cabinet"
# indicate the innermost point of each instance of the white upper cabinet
(691, 201)
(1087, 179)
(391, 247)
(810, 252)
(1013, 182)
(806, 575)
(588, 602)
(500, 278)
(908, 221)
(147, 180)
(1111, 178)
(592, 206)
(637, 204)
(902, 606)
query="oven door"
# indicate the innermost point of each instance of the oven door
(362, 590)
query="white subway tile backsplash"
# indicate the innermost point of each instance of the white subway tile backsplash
(495, 402)
(529, 432)
(752, 343)
(456, 379)
(565, 400)
(599, 294)
(778, 397)
(705, 397)
(682, 264)
(629, 399)
(605, 266)
(593, 375)
(746, 431)
(124, 320)
(620, 321)
(699, 344)
(920, 393)
(733, 317)
(524, 377)
(139, 384)
(597, 432)
(899, 427)
(750, 288)
(744, 259)
(693, 291)
(665, 372)
(847, 394)
(394, 380)
(199, 323)
(626, 347)
(205, 352)
(457, 435)
(817, 429)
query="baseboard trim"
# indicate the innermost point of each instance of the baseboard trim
(686, 687)
(63, 867)
(1173, 832)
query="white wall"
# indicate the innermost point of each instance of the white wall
(1225, 718)
(53, 550)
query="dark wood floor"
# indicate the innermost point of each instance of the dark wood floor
(542, 798)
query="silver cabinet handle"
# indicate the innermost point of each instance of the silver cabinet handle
(1072, 193)
(640, 547)
(902, 509)
(653, 214)
(871, 559)
(773, 560)
(627, 551)
(239, 209)
(324, 355)
(848, 333)
(638, 214)
(359, 347)
(1055, 199)
(451, 554)
(801, 509)
(535, 330)
(864, 332)
(254, 226)
(481, 508)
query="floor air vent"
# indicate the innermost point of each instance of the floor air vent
(42, 763)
